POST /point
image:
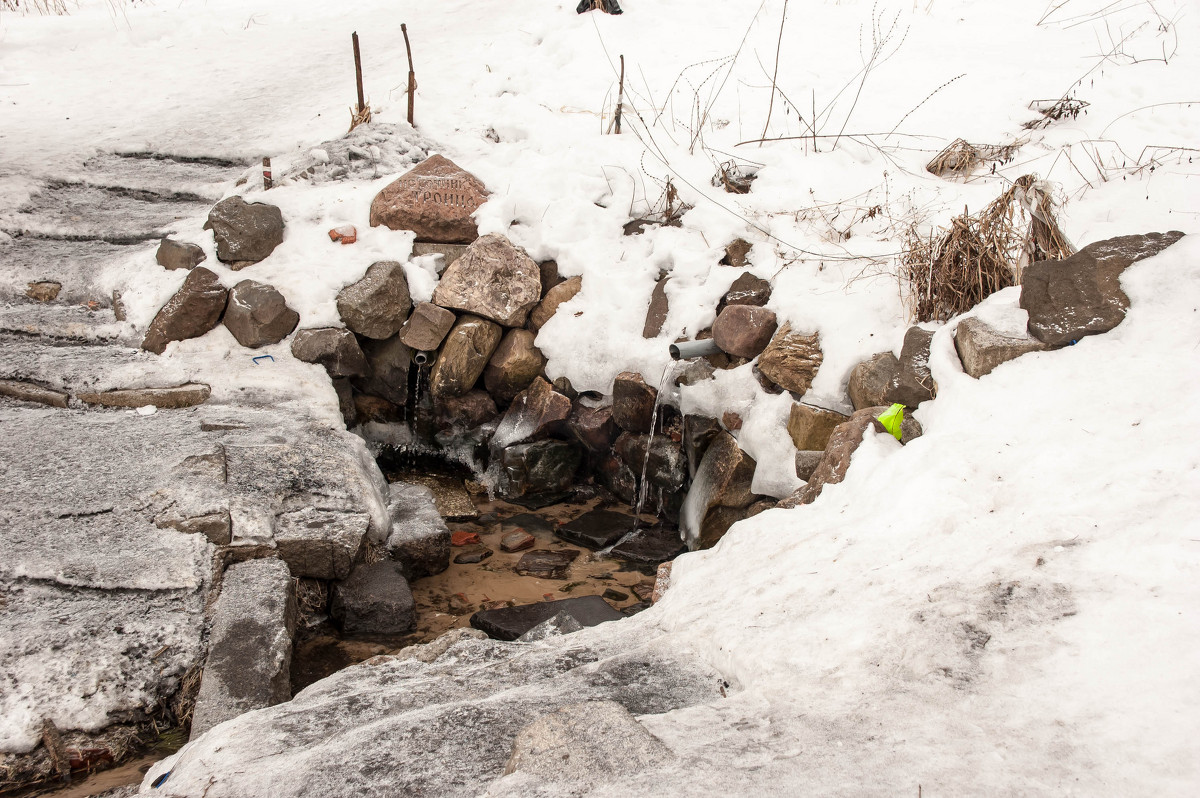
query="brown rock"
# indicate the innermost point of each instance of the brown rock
(982, 347)
(464, 355)
(1081, 295)
(44, 291)
(791, 359)
(166, 398)
(258, 315)
(744, 330)
(536, 412)
(698, 433)
(546, 564)
(592, 426)
(372, 408)
(30, 392)
(246, 232)
(633, 402)
(656, 313)
(731, 421)
(810, 427)
(178, 255)
(517, 541)
(736, 253)
(869, 380)
(746, 290)
(434, 199)
(345, 397)
(721, 487)
(833, 464)
(194, 310)
(557, 295)
(466, 411)
(550, 276)
(613, 474)
(427, 327)
(335, 348)
(377, 305)
(493, 279)
(661, 461)
(913, 383)
(513, 366)
(449, 252)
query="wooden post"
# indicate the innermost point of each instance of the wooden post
(358, 73)
(620, 96)
(412, 76)
(267, 181)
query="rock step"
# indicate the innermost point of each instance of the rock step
(115, 214)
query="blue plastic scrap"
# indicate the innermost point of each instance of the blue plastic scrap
(161, 780)
(263, 357)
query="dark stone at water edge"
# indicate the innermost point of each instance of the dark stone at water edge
(375, 600)
(597, 529)
(509, 623)
(547, 564)
(473, 555)
(651, 546)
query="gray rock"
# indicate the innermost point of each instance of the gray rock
(377, 305)
(258, 315)
(698, 433)
(25, 391)
(666, 465)
(561, 624)
(250, 645)
(633, 402)
(171, 398)
(536, 412)
(335, 348)
(434, 199)
(388, 363)
(720, 493)
(543, 467)
(791, 359)
(246, 233)
(179, 255)
(656, 313)
(810, 426)
(596, 529)
(546, 563)
(913, 383)
(426, 327)
(1081, 295)
(418, 538)
(509, 623)
(869, 380)
(375, 600)
(513, 366)
(806, 463)
(982, 347)
(464, 355)
(493, 279)
(322, 544)
(744, 330)
(554, 296)
(194, 310)
(650, 546)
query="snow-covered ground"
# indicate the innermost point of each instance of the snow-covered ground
(1004, 606)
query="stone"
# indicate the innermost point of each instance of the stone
(435, 199)
(179, 396)
(473, 555)
(449, 252)
(619, 478)
(517, 540)
(173, 255)
(982, 347)
(426, 327)
(43, 291)
(561, 624)
(257, 315)
(509, 623)
(546, 564)
(493, 279)
(746, 290)
(388, 363)
(633, 402)
(246, 233)
(656, 313)
(345, 397)
(791, 359)
(578, 741)
(548, 269)
(592, 426)
(543, 467)
(650, 546)
(418, 538)
(194, 310)
(698, 433)
(737, 253)
(344, 234)
(377, 305)
(528, 522)
(869, 380)
(806, 463)
(513, 366)
(665, 466)
(462, 537)
(31, 392)
(464, 355)
(731, 421)
(335, 348)
(596, 529)
(1081, 295)
(465, 412)
(374, 600)
(810, 427)
(555, 296)
(744, 330)
(375, 409)
(250, 644)
(322, 544)
(695, 371)
(536, 412)
(458, 604)
(913, 383)
(721, 487)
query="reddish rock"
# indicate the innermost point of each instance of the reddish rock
(746, 290)
(493, 279)
(736, 253)
(554, 297)
(731, 421)
(434, 199)
(593, 426)
(744, 330)
(536, 412)
(464, 538)
(517, 541)
(427, 327)
(194, 310)
(346, 234)
(791, 359)
(466, 411)
(633, 402)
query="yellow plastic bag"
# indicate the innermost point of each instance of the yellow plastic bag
(892, 419)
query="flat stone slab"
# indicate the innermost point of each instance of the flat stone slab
(509, 623)
(651, 546)
(596, 529)
(31, 392)
(171, 398)
(546, 564)
(527, 522)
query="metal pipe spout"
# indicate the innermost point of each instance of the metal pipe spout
(686, 350)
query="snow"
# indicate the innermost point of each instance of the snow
(1051, 504)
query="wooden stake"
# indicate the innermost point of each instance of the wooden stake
(362, 103)
(620, 95)
(267, 181)
(412, 75)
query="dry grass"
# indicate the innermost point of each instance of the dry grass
(361, 116)
(1054, 110)
(951, 271)
(961, 157)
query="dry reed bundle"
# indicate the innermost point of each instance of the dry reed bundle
(960, 157)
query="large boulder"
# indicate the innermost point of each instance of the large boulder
(913, 383)
(633, 402)
(720, 494)
(418, 538)
(810, 427)
(388, 363)
(554, 297)
(869, 380)
(744, 330)
(258, 315)
(173, 255)
(375, 600)
(537, 411)
(493, 279)
(246, 232)
(982, 347)
(791, 359)
(427, 327)
(377, 305)
(539, 468)
(194, 310)
(513, 366)
(465, 354)
(335, 348)
(1081, 295)
(435, 199)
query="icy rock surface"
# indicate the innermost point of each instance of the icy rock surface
(368, 152)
